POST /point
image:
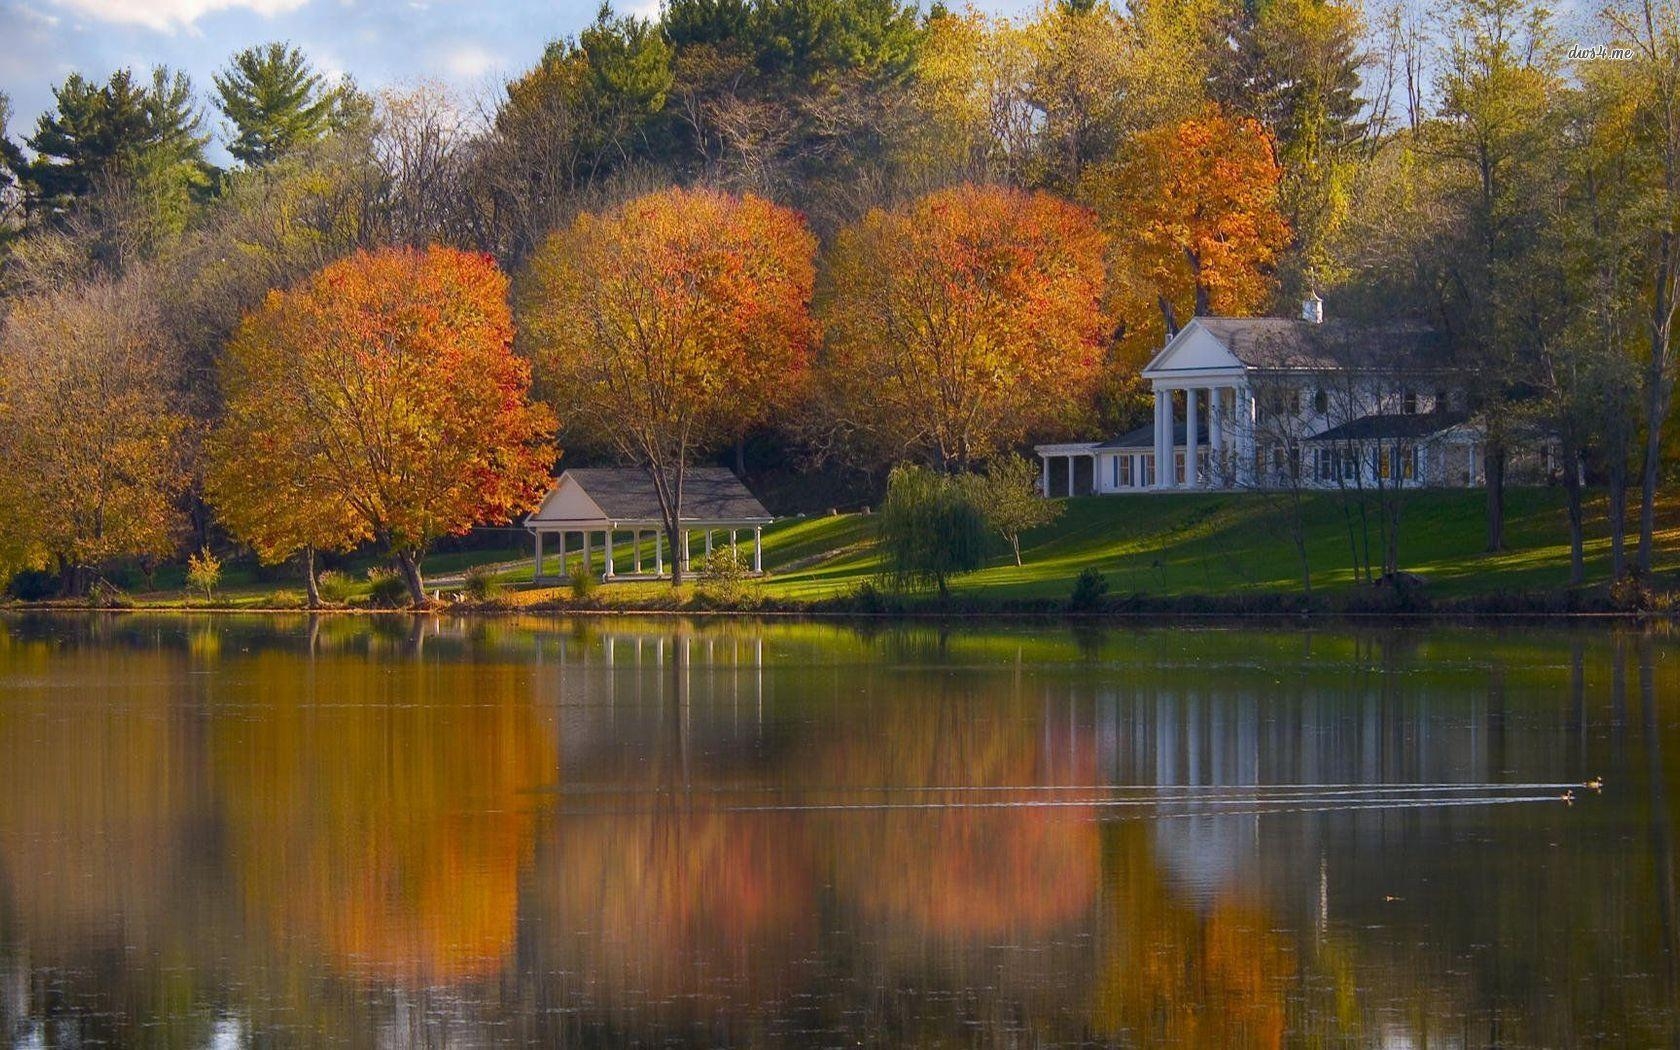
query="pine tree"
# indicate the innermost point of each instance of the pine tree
(121, 129)
(276, 102)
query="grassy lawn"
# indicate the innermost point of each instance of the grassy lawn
(1155, 545)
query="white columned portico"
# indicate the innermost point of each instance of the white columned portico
(758, 548)
(607, 551)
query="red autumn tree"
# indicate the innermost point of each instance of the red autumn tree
(1193, 211)
(379, 399)
(963, 320)
(672, 324)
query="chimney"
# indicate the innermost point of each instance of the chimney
(1312, 309)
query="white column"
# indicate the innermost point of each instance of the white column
(1044, 475)
(758, 548)
(1163, 437)
(1190, 443)
(682, 555)
(537, 573)
(607, 548)
(636, 540)
(659, 552)
(588, 553)
(1216, 436)
(561, 536)
(708, 543)
(1070, 475)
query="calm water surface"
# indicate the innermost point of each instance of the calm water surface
(221, 831)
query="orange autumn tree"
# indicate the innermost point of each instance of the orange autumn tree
(672, 324)
(380, 399)
(963, 320)
(1193, 211)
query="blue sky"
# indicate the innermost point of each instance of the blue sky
(471, 45)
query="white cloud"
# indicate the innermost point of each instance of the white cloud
(469, 61)
(166, 16)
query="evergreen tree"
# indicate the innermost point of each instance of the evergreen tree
(122, 129)
(276, 102)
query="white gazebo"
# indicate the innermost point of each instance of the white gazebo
(621, 503)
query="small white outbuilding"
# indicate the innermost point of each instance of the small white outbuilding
(621, 505)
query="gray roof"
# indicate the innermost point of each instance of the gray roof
(709, 494)
(1284, 343)
(1144, 436)
(1392, 427)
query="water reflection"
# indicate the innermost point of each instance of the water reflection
(432, 830)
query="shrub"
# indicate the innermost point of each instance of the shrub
(386, 588)
(1088, 591)
(1007, 496)
(723, 576)
(33, 585)
(481, 585)
(204, 572)
(583, 585)
(334, 586)
(106, 595)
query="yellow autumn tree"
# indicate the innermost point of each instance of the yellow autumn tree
(961, 321)
(92, 448)
(1192, 208)
(671, 324)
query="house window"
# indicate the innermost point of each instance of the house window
(1178, 466)
(1295, 402)
(1122, 471)
(1325, 464)
(1409, 403)
(1382, 462)
(1321, 401)
(1408, 462)
(1350, 465)
(1149, 471)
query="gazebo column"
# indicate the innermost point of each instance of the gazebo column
(536, 573)
(682, 554)
(659, 552)
(758, 548)
(636, 545)
(607, 550)
(588, 568)
(1044, 475)
(708, 543)
(1070, 460)
(561, 537)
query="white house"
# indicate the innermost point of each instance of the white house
(1267, 402)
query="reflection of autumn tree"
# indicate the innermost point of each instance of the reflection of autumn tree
(1172, 974)
(961, 872)
(101, 806)
(381, 811)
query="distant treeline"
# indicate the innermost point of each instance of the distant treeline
(1453, 167)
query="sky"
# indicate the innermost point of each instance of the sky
(472, 46)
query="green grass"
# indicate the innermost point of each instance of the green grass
(1158, 546)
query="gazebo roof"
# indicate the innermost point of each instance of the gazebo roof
(599, 495)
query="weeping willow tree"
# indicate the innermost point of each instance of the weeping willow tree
(931, 528)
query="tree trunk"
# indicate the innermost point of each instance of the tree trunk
(311, 589)
(409, 563)
(1015, 545)
(1572, 487)
(1617, 513)
(674, 539)
(1494, 467)
(1650, 471)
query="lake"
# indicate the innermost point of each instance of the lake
(231, 830)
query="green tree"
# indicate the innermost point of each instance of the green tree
(930, 528)
(148, 137)
(276, 102)
(1006, 491)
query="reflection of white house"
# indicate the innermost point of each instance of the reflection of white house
(1266, 402)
